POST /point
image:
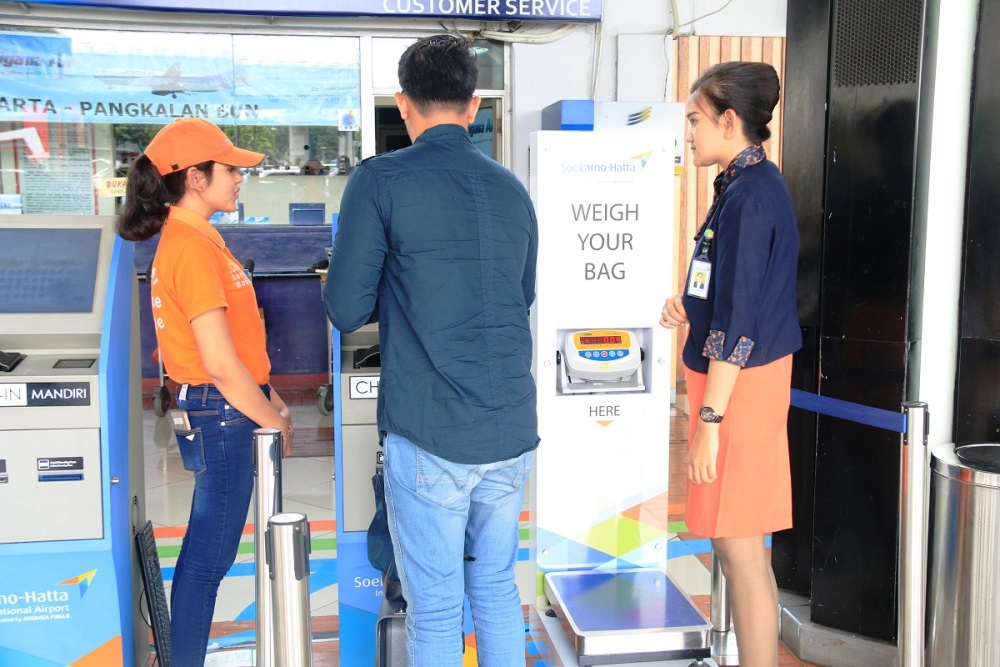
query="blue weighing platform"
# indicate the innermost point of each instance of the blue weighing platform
(627, 616)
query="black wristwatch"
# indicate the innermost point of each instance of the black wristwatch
(709, 416)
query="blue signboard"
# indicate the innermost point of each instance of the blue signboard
(481, 10)
(155, 77)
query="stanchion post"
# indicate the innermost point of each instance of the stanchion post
(720, 612)
(724, 649)
(288, 550)
(913, 473)
(267, 501)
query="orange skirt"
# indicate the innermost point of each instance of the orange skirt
(752, 494)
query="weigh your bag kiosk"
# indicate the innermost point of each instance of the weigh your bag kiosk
(604, 202)
(70, 492)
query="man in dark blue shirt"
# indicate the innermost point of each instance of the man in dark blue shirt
(438, 243)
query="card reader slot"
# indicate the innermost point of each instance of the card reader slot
(74, 477)
(368, 357)
(10, 360)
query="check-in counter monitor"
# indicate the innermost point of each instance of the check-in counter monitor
(70, 413)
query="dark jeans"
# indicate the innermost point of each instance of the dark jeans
(219, 451)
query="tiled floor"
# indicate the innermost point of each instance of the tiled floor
(308, 487)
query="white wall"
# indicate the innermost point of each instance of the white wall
(542, 74)
(747, 18)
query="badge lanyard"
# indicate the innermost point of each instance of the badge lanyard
(700, 275)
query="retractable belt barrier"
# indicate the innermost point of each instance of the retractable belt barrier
(266, 501)
(912, 423)
(862, 414)
(281, 553)
(287, 544)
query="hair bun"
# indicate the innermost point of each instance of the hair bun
(752, 90)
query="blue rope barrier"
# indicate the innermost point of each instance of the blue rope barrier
(862, 414)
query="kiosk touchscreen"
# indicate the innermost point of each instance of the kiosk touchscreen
(70, 411)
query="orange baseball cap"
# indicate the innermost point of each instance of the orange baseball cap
(190, 141)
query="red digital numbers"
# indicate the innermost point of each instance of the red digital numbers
(600, 340)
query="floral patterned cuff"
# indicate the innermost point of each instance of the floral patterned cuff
(716, 342)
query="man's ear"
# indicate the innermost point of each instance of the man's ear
(472, 110)
(403, 103)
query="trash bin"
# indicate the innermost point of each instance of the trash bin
(963, 589)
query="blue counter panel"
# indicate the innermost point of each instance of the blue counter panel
(290, 296)
(293, 317)
(274, 249)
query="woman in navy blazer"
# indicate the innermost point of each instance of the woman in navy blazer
(739, 302)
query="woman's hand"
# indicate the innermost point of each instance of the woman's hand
(286, 415)
(702, 454)
(231, 377)
(673, 314)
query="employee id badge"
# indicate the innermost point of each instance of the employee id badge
(699, 278)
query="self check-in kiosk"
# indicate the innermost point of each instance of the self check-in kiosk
(71, 493)
(605, 209)
(355, 370)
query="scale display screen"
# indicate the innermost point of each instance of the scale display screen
(599, 343)
(601, 360)
(600, 340)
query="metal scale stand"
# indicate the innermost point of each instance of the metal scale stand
(614, 616)
(639, 615)
(621, 616)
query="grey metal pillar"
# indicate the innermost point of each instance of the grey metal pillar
(267, 501)
(913, 482)
(288, 550)
(724, 650)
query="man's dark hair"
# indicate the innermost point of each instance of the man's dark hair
(439, 72)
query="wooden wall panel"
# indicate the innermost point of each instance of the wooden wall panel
(693, 55)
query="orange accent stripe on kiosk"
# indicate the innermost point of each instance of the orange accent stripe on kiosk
(108, 653)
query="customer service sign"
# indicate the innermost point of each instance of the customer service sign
(483, 10)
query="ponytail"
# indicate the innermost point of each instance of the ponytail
(147, 196)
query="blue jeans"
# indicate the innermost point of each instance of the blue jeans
(219, 451)
(454, 531)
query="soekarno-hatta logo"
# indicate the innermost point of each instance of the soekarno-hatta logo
(83, 581)
(644, 158)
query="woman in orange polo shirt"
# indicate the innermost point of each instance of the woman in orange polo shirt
(211, 340)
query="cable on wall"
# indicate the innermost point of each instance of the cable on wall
(703, 16)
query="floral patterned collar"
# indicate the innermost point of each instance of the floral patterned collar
(748, 156)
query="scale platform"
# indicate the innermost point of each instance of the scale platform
(621, 616)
